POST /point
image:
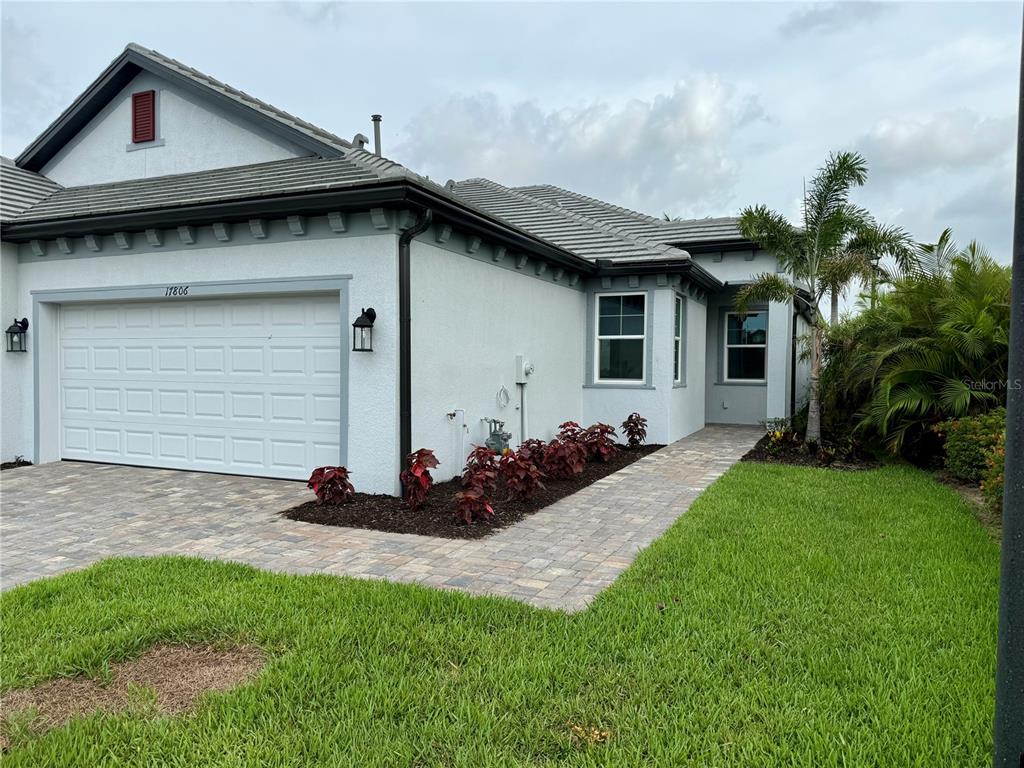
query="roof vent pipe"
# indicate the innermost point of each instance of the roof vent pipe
(376, 134)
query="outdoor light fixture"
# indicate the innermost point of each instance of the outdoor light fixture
(362, 331)
(16, 336)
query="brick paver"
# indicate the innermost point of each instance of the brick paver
(67, 515)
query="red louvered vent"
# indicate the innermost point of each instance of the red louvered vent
(143, 116)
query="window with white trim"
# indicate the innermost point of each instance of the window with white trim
(679, 333)
(620, 354)
(746, 346)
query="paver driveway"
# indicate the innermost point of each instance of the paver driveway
(67, 515)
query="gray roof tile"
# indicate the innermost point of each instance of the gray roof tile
(681, 232)
(580, 232)
(21, 189)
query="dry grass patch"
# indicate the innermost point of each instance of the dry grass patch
(167, 678)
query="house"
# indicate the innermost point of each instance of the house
(191, 261)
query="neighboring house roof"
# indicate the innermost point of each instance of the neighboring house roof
(21, 189)
(680, 232)
(584, 235)
(136, 58)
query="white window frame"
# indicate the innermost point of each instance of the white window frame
(679, 339)
(726, 346)
(598, 338)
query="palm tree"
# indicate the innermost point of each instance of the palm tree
(836, 243)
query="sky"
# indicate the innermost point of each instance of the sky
(690, 109)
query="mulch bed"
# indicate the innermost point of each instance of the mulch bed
(796, 453)
(437, 516)
(18, 462)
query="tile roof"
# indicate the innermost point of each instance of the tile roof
(241, 97)
(21, 189)
(582, 234)
(299, 174)
(680, 232)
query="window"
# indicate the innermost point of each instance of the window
(746, 340)
(143, 116)
(621, 337)
(679, 371)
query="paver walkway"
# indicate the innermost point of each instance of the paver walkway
(67, 515)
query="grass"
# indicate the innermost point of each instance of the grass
(794, 616)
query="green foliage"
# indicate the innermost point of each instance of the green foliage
(994, 476)
(933, 347)
(969, 441)
(807, 618)
(836, 243)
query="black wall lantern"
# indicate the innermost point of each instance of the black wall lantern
(362, 331)
(16, 336)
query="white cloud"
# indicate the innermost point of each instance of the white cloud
(829, 18)
(957, 139)
(670, 152)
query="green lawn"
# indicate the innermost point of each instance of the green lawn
(810, 618)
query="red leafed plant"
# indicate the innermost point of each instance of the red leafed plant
(564, 459)
(635, 429)
(520, 473)
(571, 431)
(331, 485)
(479, 478)
(599, 442)
(416, 479)
(533, 450)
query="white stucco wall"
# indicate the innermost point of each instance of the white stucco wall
(196, 133)
(15, 369)
(688, 400)
(470, 319)
(803, 362)
(735, 267)
(371, 260)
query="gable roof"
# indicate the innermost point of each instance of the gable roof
(21, 189)
(585, 235)
(681, 232)
(135, 59)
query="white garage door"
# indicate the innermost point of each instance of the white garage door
(245, 386)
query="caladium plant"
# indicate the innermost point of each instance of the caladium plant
(416, 478)
(331, 485)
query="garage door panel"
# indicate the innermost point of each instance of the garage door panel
(246, 385)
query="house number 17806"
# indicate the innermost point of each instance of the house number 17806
(176, 290)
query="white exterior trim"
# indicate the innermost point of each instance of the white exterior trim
(598, 338)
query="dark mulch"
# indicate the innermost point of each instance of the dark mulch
(18, 462)
(437, 516)
(798, 454)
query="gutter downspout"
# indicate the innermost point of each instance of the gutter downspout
(423, 220)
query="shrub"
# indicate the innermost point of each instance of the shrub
(479, 477)
(968, 442)
(416, 479)
(570, 431)
(598, 440)
(331, 485)
(564, 459)
(534, 451)
(520, 473)
(635, 429)
(993, 477)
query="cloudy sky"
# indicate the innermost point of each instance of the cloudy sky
(691, 109)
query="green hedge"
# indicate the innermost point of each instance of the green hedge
(993, 477)
(969, 441)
